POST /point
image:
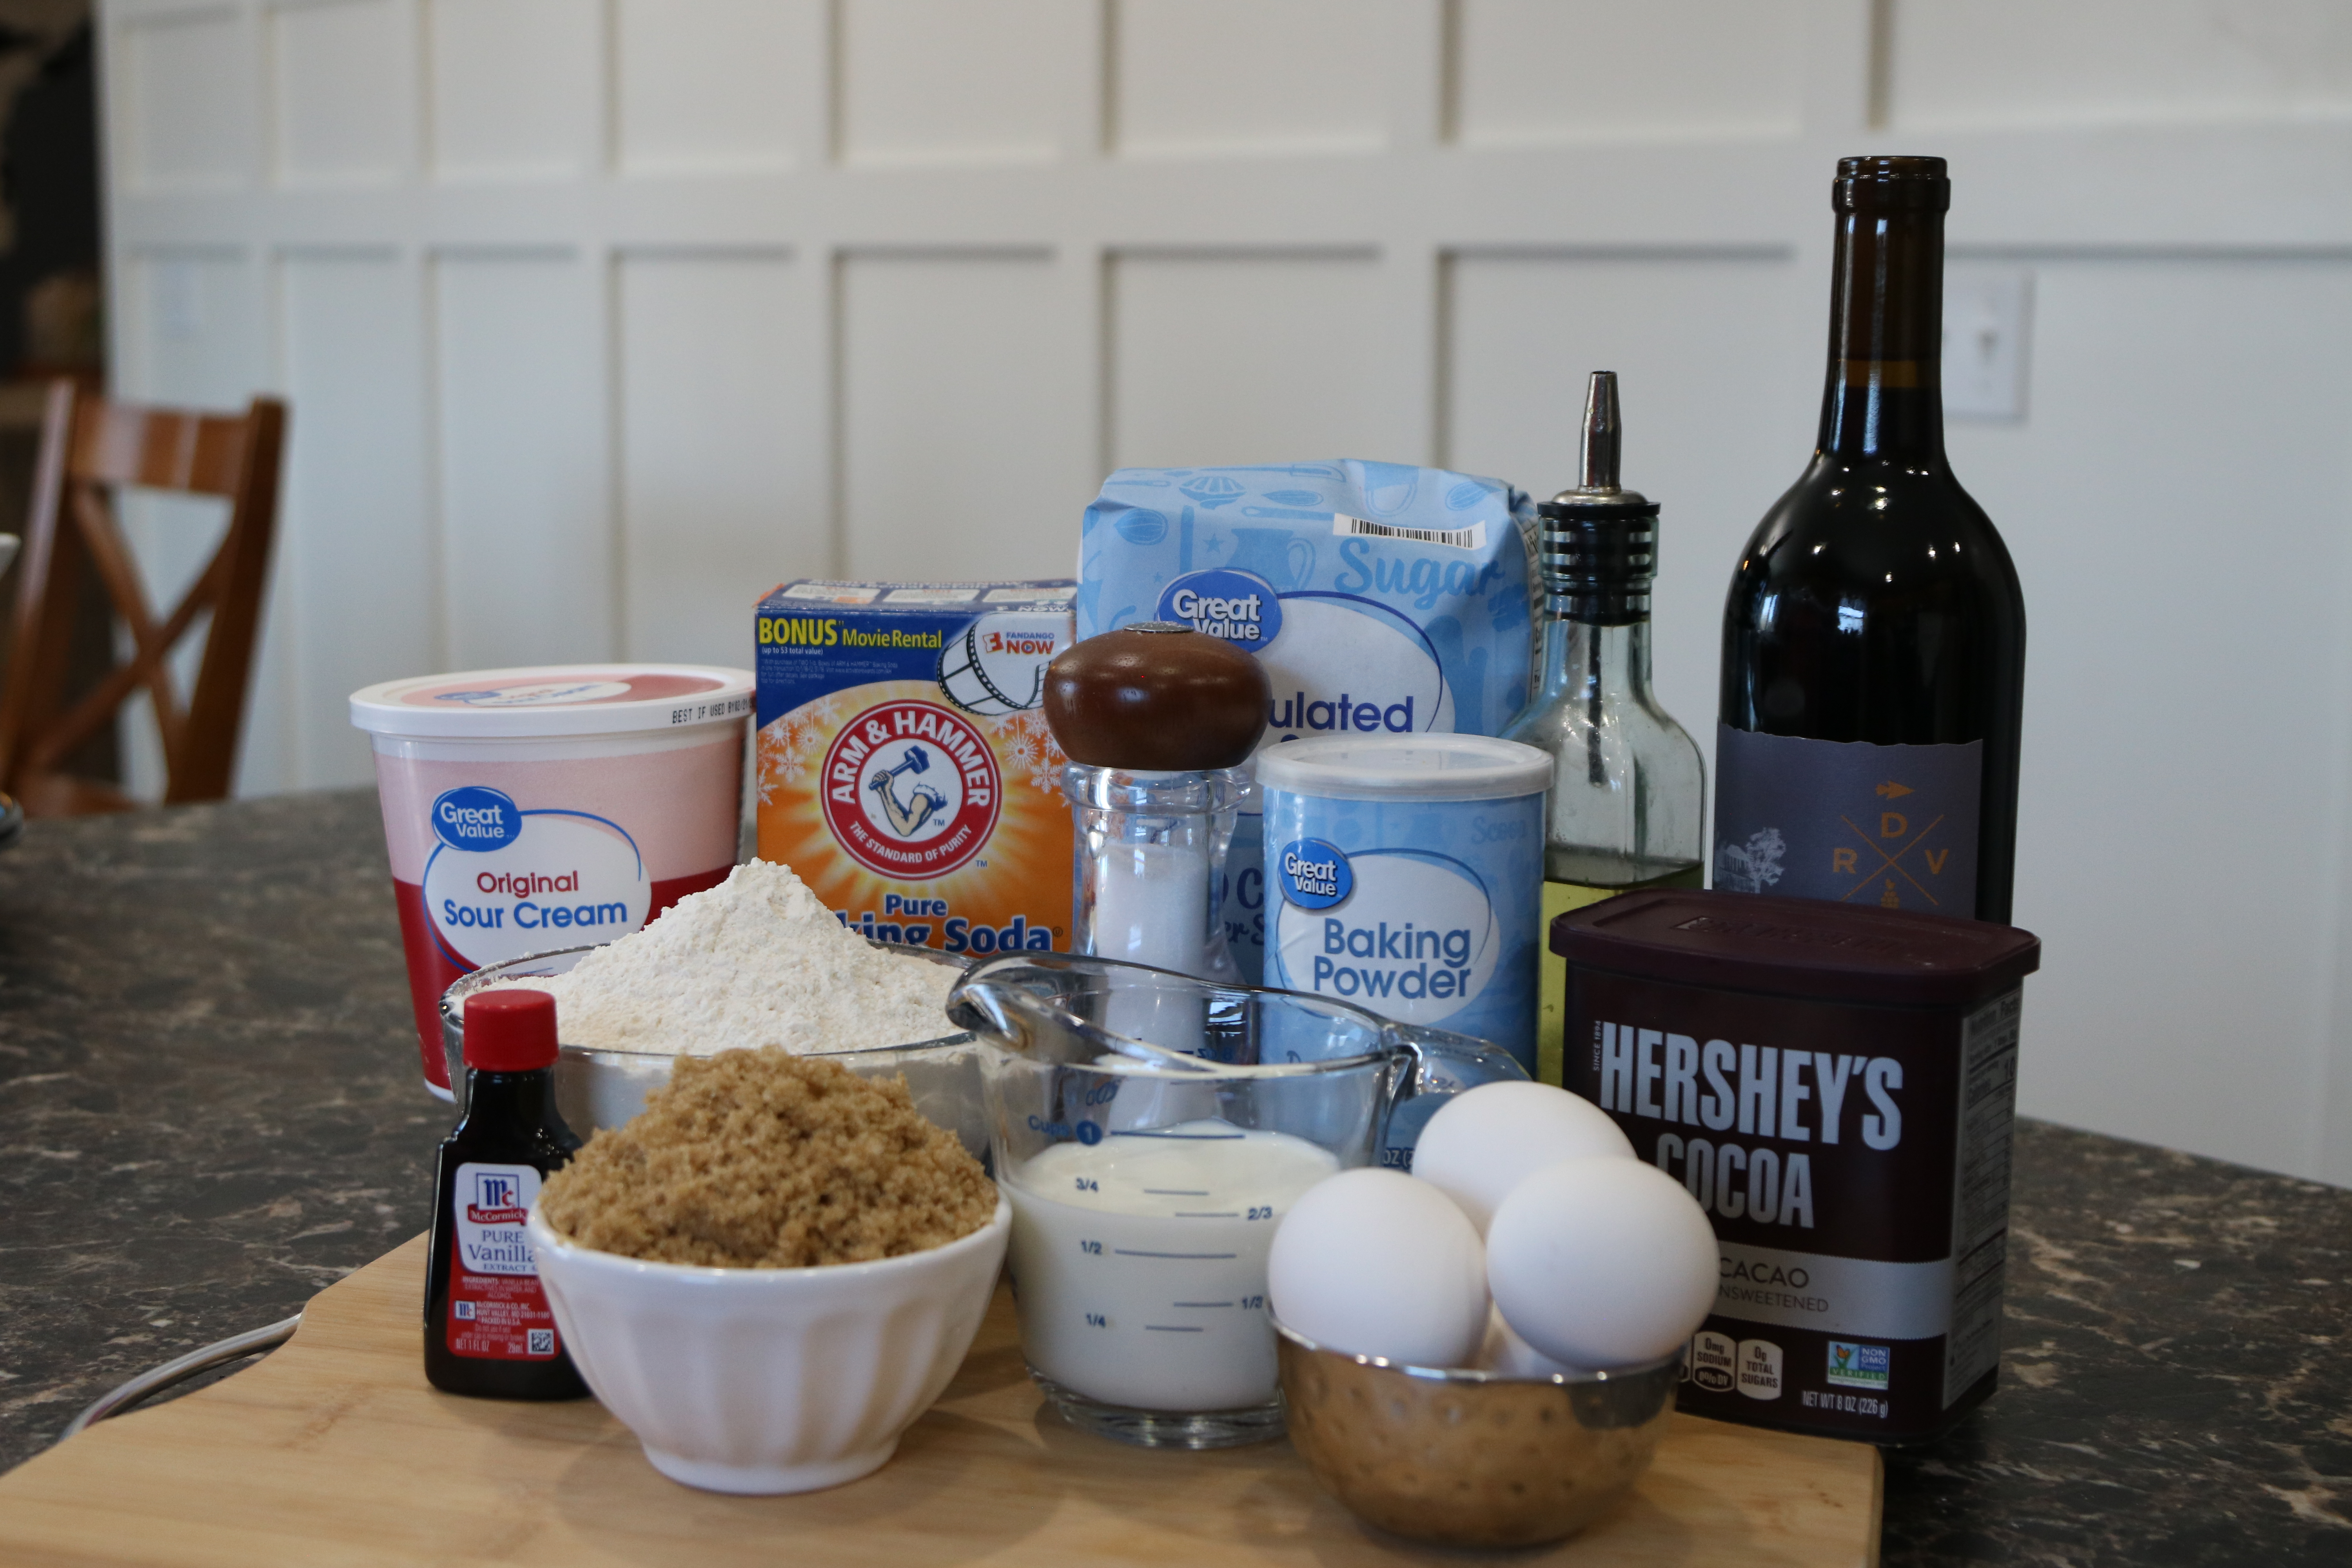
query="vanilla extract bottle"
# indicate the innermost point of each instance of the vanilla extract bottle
(488, 1329)
(1627, 804)
(1874, 638)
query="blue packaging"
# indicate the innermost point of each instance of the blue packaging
(1406, 876)
(1383, 599)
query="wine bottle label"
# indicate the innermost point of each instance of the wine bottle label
(1847, 820)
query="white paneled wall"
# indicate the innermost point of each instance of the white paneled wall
(600, 316)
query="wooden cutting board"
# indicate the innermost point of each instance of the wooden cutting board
(334, 1450)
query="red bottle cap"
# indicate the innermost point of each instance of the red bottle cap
(510, 1030)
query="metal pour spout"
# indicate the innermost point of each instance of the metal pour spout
(1604, 434)
(1599, 442)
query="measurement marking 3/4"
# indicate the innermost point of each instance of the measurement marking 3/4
(1173, 1328)
(1174, 1193)
(1189, 1257)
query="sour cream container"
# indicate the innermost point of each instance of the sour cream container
(540, 808)
(1405, 874)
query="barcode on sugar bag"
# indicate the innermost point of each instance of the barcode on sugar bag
(1471, 538)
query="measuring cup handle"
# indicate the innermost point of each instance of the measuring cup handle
(1437, 1065)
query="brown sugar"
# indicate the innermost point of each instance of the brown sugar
(766, 1160)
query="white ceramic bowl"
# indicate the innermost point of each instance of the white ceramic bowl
(770, 1380)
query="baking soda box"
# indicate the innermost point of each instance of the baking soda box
(905, 769)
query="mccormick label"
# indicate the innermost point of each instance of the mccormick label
(905, 769)
(1855, 1162)
(498, 1311)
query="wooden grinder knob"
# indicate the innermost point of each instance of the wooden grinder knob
(1156, 696)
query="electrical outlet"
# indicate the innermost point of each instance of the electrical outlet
(1986, 310)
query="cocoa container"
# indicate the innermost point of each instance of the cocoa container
(1835, 1086)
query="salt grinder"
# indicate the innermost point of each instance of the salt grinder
(1157, 720)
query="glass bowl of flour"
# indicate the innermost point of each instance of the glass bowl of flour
(755, 961)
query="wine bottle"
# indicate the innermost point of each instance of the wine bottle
(1874, 639)
(1627, 805)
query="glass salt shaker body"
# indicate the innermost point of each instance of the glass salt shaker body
(1149, 870)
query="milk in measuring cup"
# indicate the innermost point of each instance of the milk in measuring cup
(1140, 1261)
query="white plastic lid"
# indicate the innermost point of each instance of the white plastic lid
(1414, 767)
(554, 699)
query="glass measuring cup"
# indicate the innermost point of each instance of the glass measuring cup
(1148, 1163)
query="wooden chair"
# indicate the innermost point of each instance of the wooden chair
(90, 447)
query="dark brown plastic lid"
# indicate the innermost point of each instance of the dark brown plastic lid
(1803, 948)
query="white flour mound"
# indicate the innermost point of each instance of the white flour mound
(755, 960)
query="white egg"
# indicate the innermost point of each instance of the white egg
(1485, 1141)
(1601, 1262)
(1375, 1263)
(1505, 1353)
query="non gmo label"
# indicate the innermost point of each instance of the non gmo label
(1314, 875)
(1854, 1365)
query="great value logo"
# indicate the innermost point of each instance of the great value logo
(475, 817)
(1315, 874)
(1240, 607)
(910, 790)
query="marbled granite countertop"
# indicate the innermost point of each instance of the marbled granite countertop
(210, 1108)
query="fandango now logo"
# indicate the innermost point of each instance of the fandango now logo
(477, 817)
(1414, 940)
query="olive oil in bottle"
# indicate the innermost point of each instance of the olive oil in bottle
(1627, 802)
(1874, 639)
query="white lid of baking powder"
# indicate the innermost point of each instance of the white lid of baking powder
(554, 699)
(1408, 767)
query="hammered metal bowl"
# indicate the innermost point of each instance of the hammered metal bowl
(1473, 1458)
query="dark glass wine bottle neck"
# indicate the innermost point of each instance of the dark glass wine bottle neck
(1885, 397)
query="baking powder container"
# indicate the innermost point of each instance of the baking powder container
(532, 809)
(1405, 874)
(1834, 1084)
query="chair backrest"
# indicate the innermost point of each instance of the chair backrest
(91, 448)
